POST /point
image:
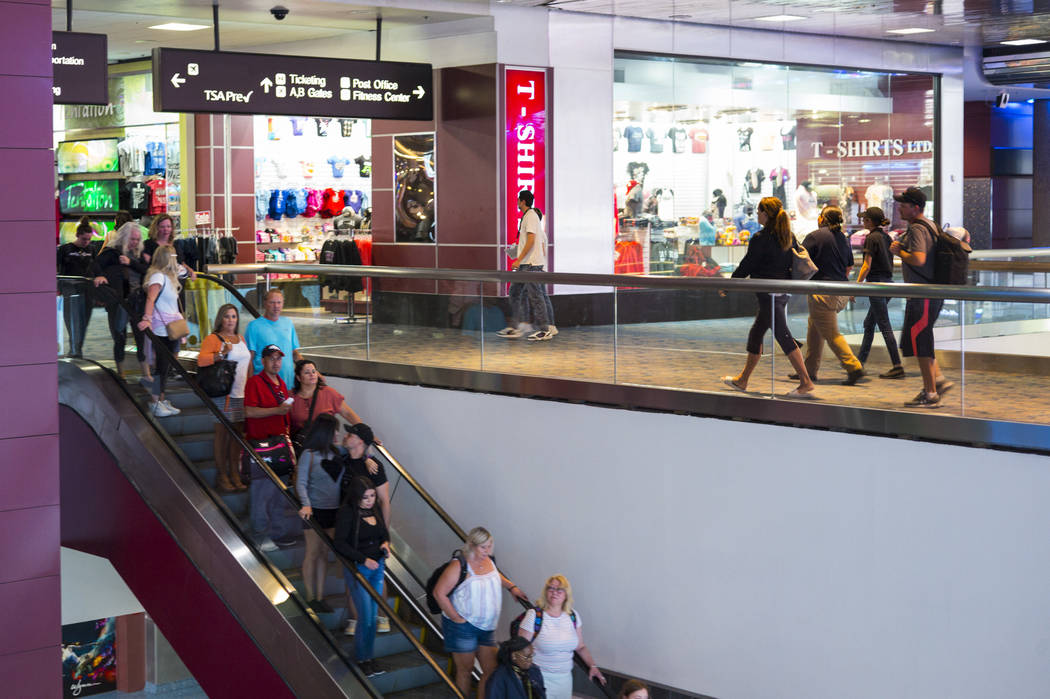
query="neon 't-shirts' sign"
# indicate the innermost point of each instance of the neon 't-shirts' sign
(526, 155)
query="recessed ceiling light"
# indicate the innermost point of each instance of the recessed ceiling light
(779, 18)
(1022, 42)
(910, 30)
(179, 27)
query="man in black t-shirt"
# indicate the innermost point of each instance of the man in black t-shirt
(74, 260)
(878, 267)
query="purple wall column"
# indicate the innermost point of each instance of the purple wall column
(30, 601)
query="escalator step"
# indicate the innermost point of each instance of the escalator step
(404, 671)
(198, 446)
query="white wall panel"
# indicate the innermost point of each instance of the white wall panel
(745, 560)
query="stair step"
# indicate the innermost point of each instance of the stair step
(181, 396)
(191, 420)
(429, 691)
(392, 643)
(198, 446)
(404, 671)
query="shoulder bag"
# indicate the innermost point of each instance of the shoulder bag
(217, 379)
(299, 438)
(802, 266)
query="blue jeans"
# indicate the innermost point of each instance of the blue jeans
(367, 609)
(529, 302)
(269, 509)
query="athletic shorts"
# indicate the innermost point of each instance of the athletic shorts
(917, 333)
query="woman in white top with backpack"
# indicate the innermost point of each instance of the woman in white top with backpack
(556, 628)
(470, 609)
(163, 317)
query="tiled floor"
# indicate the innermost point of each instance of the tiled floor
(691, 355)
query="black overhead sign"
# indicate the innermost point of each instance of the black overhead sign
(78, 62)
(258, 83)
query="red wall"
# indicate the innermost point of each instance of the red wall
(211, 175)
(30, 599)
(977, 135)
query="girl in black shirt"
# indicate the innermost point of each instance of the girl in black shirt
(878, 267)
(74, 260)
(770, 256)
(361, 535)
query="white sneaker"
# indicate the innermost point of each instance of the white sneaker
(176, 411)
(510, 333)
(159, 409)
(351, 627)
(267, 546)
(552, 330)
(382, 624)
(525, 328)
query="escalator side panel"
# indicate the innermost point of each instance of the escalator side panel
(102, 514)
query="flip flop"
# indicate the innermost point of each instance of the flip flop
(802, 396)
(731, 382)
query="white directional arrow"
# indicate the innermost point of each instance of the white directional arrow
(177, 81)
(419, 92)
(266, 85)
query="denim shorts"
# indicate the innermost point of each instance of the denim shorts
(465, 637)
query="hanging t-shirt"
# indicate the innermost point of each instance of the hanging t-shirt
(656, 141)
(271, 129)
(364, 166)
(679, 138)
(323, 125)
(313, 202)
(634, 138)
(698, 135)
(276, 204)
(355, 199)
(308, 168)
(135, 198)
(298, 123)
(331, 203)
(338, 164)
(744, 136)
(346, 126)
(158, 200)
(262, 204)
(665, 205)
(787, 137)
(156, 161)
(132, 157)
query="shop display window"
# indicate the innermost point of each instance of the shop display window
(697, 143)
(414, 180)
(313, 182)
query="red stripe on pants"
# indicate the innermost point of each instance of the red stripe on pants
(919, 326)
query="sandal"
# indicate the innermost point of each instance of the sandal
(731, 382)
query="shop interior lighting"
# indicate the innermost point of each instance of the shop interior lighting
(910, 30)
(780, 18)
(179, 27)
(1023, 42)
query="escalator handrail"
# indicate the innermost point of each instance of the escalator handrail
(288, 493)
(422, 492)
(232, 289)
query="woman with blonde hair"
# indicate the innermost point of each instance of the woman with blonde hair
(120, 266)
(770, 256)
(226, 343)
(162, 315)
(470, 609)
(554, 627)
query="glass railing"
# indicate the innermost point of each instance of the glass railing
(411, 658)
(672, 333)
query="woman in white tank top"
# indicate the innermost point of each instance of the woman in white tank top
(470, 610)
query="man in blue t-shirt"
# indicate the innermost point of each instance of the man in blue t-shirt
(271, 329)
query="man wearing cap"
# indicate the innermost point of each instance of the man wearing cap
(915, 247)
(272, 329)
(267, 403)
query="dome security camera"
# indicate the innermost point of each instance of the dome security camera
(279, 12)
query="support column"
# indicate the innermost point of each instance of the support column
(1040, 173)
(30, 596)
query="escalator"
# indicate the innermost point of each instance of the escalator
(140, 491)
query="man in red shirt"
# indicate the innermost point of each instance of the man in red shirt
(267, 403)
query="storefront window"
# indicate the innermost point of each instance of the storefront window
(698, 143)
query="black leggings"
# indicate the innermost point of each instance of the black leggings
(764, 318)
(118, 330)
(160, 377)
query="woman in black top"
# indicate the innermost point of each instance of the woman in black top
(769, 256)
(515, 677)
(120, 266)
(878, 267)
(361, 535)
(74, 260)
(162, 232)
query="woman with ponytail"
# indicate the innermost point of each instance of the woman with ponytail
(830, 251)
(769, 256)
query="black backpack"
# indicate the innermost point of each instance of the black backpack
(515, 623)
(432, 604)
(951, 257)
